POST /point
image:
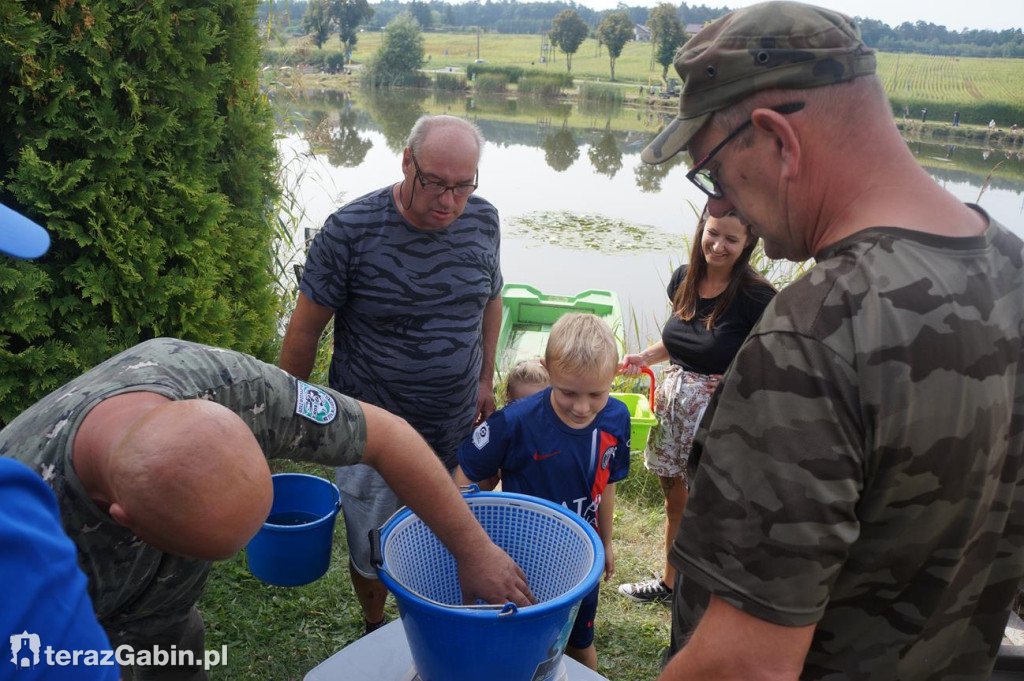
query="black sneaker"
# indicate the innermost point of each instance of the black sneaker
(374, 626)
(651, 591)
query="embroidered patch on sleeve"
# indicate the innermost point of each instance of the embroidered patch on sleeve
(482, 435)
(606, 457)
(314, 403)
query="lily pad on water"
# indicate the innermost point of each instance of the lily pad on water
(584, 232)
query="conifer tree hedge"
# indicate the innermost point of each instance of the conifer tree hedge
(136, 132)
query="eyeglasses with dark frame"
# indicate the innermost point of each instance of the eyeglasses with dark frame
(438, 188)
(703, 178)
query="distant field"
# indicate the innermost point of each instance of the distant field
(982, 89)
(991, 88)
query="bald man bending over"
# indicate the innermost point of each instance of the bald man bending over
(158, 457)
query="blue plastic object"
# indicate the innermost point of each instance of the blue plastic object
(21, 237)
(563, 560)
(294, 546)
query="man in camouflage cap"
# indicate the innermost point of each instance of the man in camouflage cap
(158, 459)
(857, 510)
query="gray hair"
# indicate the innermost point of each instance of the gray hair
(423, 125)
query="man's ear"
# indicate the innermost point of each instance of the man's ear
(120, 515)
(787, 140)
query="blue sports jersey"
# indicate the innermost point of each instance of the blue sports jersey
(45, 603)
(538, 454)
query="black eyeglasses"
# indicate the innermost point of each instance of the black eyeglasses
(703, 178)
(435, 188)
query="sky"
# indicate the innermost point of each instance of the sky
(981, 14)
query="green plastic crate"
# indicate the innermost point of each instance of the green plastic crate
(642, 419)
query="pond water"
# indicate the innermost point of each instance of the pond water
(579, 209)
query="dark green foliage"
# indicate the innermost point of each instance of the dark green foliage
(504, 17)
(421, 13)
(138, 136)
(667, 34)
(317, 22)
(568, 31)
(615, 31)
(398, 60)
(925, 37)
(347, 16)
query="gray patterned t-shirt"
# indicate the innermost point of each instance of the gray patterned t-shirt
(408, 310)
(863, 467)
(128, 579)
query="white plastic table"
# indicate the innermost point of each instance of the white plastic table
(384, 656)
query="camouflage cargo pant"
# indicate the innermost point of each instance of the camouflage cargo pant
(185, 632)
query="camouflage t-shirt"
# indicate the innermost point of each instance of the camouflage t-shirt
(129, 579)
(862, 468)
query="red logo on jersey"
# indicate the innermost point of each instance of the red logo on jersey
(607, 451)
(537, 456)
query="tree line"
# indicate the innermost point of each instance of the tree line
(537, 17)
(927, 38)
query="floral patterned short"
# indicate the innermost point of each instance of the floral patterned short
(679, 404)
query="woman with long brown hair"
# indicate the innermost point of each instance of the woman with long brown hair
(716, 300)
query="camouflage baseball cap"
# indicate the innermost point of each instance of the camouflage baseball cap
(768, 45)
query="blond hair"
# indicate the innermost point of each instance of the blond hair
(526, 372)
(581, 343)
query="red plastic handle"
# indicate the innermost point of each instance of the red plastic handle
(647, 370)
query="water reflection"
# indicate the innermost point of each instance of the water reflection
(569, 226)
(649, 177)
(337, 137)
(394, 112)
(561, 149)
(605, 155)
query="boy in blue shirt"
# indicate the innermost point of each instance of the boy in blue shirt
(567, 443)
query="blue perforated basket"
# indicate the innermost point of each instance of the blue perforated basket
(561, 555)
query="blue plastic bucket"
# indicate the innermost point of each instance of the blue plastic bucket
(294, 545)
(563, 560)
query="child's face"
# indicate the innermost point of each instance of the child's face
(578, 398)
(518, 391)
